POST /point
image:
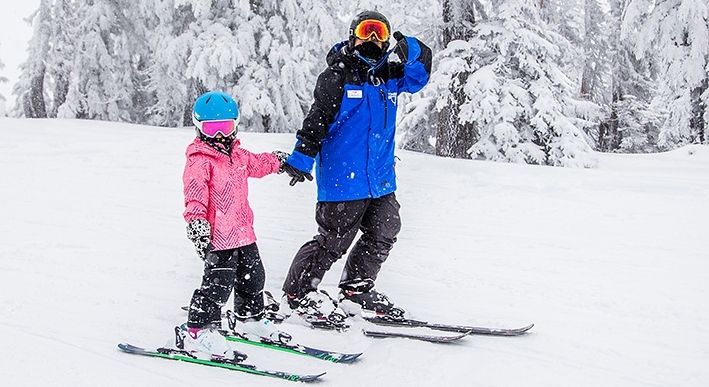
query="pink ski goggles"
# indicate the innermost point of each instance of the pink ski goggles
(212, 128)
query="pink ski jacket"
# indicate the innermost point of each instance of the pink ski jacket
(216, 189)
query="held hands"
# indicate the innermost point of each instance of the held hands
(297, 176)
(282, 157)
(200, 233)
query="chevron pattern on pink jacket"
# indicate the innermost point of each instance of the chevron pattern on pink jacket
(216, 189)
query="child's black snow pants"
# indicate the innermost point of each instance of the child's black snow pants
(240, 270)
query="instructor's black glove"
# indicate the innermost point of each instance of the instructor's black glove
(402, 47)
(297, 176)
(200, 233)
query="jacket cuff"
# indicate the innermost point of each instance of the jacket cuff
(301, 161)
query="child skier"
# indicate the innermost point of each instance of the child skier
(220, 224)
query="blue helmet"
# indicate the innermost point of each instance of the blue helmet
(214, 105)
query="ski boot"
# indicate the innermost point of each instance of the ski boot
(317, 309)
(206, 344)
(257, 329)
(272, 308)
(361, 296)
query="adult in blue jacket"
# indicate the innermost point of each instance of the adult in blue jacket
(348, 135)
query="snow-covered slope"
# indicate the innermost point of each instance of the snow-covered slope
(610, 264)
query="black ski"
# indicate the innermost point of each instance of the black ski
(466, 329)
(415, 336)
(176, 354)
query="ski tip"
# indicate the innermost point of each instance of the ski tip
(129, 348)
(311, 378)
(348, 358)
(524, 329)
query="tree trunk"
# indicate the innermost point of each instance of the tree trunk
(195, 90)
(34, 101)
(697, 125)
(453, 138)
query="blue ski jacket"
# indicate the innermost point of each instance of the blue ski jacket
(349, 131)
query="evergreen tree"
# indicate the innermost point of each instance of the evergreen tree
(169, 93)
(676, 38)
(455, 135)
(105, 77)
(596, 74)
(62, 52)
(506, 88)
(30, 87)
(211, 47)
(2, 80)
(630, 125)
(292, 44)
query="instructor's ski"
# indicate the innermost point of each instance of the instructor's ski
(415, 336)
(176, 354)
(466, 329)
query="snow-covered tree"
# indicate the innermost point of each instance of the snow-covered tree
(675, 37)
(454, 135)
(3, 79)
(169, 91)
(290, 53)
(594, 79)
(105, 77)
(630, 124)
(30, 87)
(509, 90)
(61, 55)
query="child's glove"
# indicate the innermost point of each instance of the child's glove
(200, 233)
(282, 157)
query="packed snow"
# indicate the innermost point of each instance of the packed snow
(610, 264)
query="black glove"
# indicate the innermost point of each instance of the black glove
(402, 47)
(200, 233)
(297, 176)
(282, 157)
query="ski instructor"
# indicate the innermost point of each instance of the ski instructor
(348, 135)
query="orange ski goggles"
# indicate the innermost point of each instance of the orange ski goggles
(366, 28)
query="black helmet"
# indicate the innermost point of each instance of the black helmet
(367, 15)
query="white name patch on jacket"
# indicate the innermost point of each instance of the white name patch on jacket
(354, 93)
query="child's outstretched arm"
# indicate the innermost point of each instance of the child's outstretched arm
(262, 164)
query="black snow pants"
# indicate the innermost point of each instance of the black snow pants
(338, 224)
(240, 270)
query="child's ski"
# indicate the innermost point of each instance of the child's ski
(335, 357)
(177, 354)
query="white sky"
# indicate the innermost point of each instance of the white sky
(14, 35)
